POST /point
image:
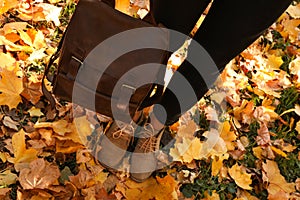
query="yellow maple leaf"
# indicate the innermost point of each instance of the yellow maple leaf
(159, 189)
(35, 112)
(290, 27)
(294, 11)
(257, 151)
(228, 136)
(213, 196)
(276, 181)
(244, 195)
(7, 178)
(6, 5)
(240, 176)
(21, 153)
(278, 151)
(60, 127)
(81, 129)
(10, 87)
(274, 61)
(7, 61)
(217, 164)
(187, 151)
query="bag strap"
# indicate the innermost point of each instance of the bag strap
(52, 59)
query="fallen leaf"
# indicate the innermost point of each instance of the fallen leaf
(21, 153)
(294, 68)
(187, 130)
(244, 195)
(240, 176)
(228, 136)
(3, 157)
(213, 196)
(51, 12)
(61, 127)
(7, 178)
(257, 151)
(10, 87)
(291, 28)
(278, 151)
(263, 137)
(67, 146)
(4, 192)
(187, 151)
(81, 129)
(6, 5)
(159, 189)
(83, 179)
(32, 91)
(294, 11)
(35, 112)
(279, 196)
(8, 122)
(274, 61)
(39, 175)
(7, 61)
(276, 182)
(217, 164)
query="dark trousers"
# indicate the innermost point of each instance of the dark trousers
(229, 28)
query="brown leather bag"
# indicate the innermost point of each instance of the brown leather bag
(93, 22)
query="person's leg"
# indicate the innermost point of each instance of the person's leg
(229, 28)
(178, 15)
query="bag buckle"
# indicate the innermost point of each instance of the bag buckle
(126, 91)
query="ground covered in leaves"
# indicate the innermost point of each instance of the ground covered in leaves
(254, 108)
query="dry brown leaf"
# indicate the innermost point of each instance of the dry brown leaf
(8, 122)
(244, 195)
(4, 192)
(83, 179)
(32, 90)
(39, 175)
(67, 146)
(10, 87)
(263, 137)
(46, 134)
(277, 183)
(240, 176)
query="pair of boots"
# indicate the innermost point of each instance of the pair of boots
(117, 142)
